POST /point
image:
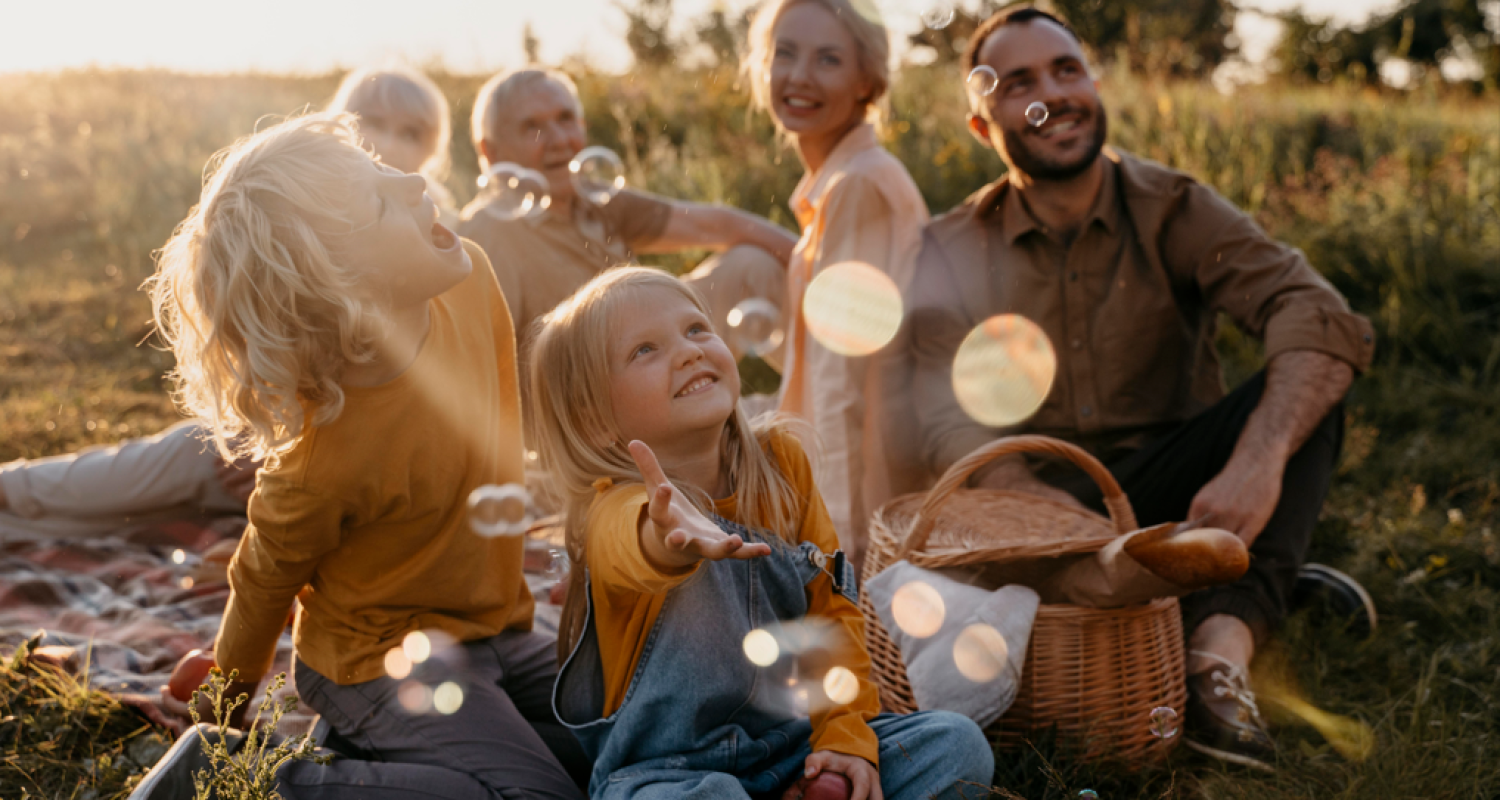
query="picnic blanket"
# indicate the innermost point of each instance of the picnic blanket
(133, 602)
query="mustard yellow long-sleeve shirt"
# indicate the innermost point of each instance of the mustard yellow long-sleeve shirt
(369, 511)
(629, 593)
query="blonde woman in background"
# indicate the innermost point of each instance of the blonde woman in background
(820, 68)
(403, 119)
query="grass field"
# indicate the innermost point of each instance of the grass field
(1396, 198)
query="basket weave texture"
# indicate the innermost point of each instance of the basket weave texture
(1096, 674)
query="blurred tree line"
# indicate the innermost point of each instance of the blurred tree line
(1183, 38)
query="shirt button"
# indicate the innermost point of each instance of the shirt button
(1087, 411)
(1073, 276)
(1077, 344)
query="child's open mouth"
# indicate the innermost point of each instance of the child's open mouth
(442, 238)
(697, 386)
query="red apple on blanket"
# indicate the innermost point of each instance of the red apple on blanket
(190, 673)
(824, 786)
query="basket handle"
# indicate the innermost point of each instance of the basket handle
(1120, 512)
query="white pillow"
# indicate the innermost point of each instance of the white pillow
(963, 646)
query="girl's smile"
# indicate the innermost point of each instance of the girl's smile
(673, 381)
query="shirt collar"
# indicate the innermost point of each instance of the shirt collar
(810, 190)
(1016, 221)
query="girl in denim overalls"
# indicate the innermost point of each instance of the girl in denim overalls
(712, 645)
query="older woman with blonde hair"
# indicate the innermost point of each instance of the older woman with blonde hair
(821, 69)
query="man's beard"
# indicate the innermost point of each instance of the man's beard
(1037, 167)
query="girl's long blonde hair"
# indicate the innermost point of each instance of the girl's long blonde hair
(576, 433)
(860, 17)
(258, 309)
(407, 92)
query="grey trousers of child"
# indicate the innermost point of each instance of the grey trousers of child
(502, 742)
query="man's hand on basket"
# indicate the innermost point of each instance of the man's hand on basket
(1241, 498)
(674, 533)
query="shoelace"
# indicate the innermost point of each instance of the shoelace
(1232, 683)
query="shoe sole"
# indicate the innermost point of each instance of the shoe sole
(1233, 758)
(1350, 583)
(159, 771)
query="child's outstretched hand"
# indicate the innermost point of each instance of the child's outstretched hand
(863, 777)
(676, 534)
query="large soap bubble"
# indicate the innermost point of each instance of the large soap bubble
(1003, 370)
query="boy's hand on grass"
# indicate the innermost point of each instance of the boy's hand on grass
(862, 775)
(676, 534)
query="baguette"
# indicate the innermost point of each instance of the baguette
(1192, 558)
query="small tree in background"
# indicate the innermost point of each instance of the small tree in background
(531, 44)
(646, 31)
(723, 34)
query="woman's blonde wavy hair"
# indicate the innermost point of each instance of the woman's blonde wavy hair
(863, 21)
(260, 312)
(577, 436)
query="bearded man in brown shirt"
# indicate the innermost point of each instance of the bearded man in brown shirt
(1126, 265)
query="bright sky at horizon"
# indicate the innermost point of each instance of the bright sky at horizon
(474, 36)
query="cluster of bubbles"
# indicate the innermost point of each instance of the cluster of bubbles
(1037, 114)
(938, 16)
(417, 650)
(980, 652)
(598, 174)
(511, 191)
(808, 643)
(1004, 370)
(500, 510)
(755, 327)
(1163, 722)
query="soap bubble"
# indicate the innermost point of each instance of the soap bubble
(754, 327)
(415, 697)
(397, 663)
(1036, 114)
(1088, 794)
(982, 81)
(447, 698)
(980, 653)
(1003, 370)
(938, 16)
(852, 308)
(918, 609)
(510, 191)
(841, 686)
(598, 174)
(1163, 722)
(761, 648)
(500, 510)
(417, 647)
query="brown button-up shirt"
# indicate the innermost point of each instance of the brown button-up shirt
(1130, 305)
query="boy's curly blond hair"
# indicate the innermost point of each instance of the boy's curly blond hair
(250, 292)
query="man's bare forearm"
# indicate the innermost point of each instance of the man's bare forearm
(1302, 387)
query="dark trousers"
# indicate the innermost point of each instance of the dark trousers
(1163, 476)
(502, 742)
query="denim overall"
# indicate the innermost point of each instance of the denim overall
(699, 720)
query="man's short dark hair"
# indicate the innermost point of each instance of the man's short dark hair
(1010, 15)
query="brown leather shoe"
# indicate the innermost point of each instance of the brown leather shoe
(1190, 556)
(1223, 720)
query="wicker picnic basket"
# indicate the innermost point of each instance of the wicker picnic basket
(1095, 674)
